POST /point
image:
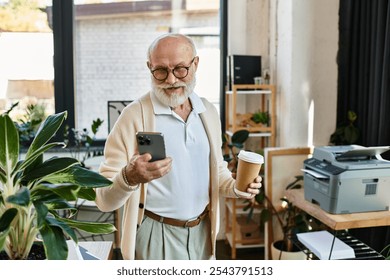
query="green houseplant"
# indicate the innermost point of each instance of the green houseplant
(261, 117)
(79, 142)
(346, 134)
(291, 219)
(33, 191)
(231, 149)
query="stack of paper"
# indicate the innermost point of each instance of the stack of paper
(320, 243)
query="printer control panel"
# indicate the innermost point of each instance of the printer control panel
(323, 166)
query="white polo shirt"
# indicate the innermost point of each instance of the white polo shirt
(184, 192)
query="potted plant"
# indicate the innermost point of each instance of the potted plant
(34, 191)
(290, 219)
(28, 123)
(79, 142)
(231, 149)
(346, 134)
(261, 118)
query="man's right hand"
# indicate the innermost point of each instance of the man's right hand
(141, 170)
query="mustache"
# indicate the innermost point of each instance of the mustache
(175, 85)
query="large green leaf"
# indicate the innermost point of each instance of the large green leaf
(9, 144)
(79, 176)
(5, 223)
(46, 191)
(7, 218)
(87, 193)
(31, 158)
(91, 227)
(60, 223)
(21, 197)
(42, 212)
(54, 242)
(240, 136)
(46, 131)
(50, 166)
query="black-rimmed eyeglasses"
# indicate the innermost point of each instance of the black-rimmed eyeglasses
(180, 72)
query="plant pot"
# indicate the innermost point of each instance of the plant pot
(278, 254)
(37, 252)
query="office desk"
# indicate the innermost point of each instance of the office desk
(338, 221)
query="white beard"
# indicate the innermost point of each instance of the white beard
(173, 100)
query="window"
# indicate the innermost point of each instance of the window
(26, 55)
(111, 40)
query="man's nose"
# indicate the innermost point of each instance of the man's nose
(171, 79)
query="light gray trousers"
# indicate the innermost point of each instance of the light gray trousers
(158, 241)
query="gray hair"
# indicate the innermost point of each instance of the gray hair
(171, 35)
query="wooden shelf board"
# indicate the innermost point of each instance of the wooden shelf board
(258, 243)
(251, 134)
(338, 221)
(243, 92)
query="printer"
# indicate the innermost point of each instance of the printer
(348, 179)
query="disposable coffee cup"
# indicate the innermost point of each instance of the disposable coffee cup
(249, 165)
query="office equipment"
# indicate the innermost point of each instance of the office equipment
(348, 179)
(242, 69)
(325, 245)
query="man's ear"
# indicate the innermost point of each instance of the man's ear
(148, 64)
(196, 61)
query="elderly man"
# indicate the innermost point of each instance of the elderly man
(170, 206)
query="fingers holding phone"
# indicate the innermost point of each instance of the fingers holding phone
(151, 162)
(141, 170)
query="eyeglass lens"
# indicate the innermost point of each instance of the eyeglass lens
(162, 73)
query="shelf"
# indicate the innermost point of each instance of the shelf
(234, 209)
(250, 92)
(252, 134)
(258, 243)
(266, 95)
(338, 221)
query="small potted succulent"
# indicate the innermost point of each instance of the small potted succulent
(33, 192)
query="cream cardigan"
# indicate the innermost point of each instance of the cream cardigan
(120, 147)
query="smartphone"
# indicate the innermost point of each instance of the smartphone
(152, 143)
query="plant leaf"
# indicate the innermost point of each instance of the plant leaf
(87, 193)
(50, 166)
(54, 242)
(46, 131)
(30, 158)
(21, 197)
(7, 218)
(46, 190)
(240, 136)
(90, 227)
(9, 144)
(79, 176)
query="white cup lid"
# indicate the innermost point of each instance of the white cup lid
(251, 157)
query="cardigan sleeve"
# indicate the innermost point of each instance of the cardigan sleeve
(119, 148)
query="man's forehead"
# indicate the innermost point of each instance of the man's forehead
(171, 56)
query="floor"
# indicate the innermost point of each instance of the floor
(223, 253)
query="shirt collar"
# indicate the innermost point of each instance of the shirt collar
(161, 109)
